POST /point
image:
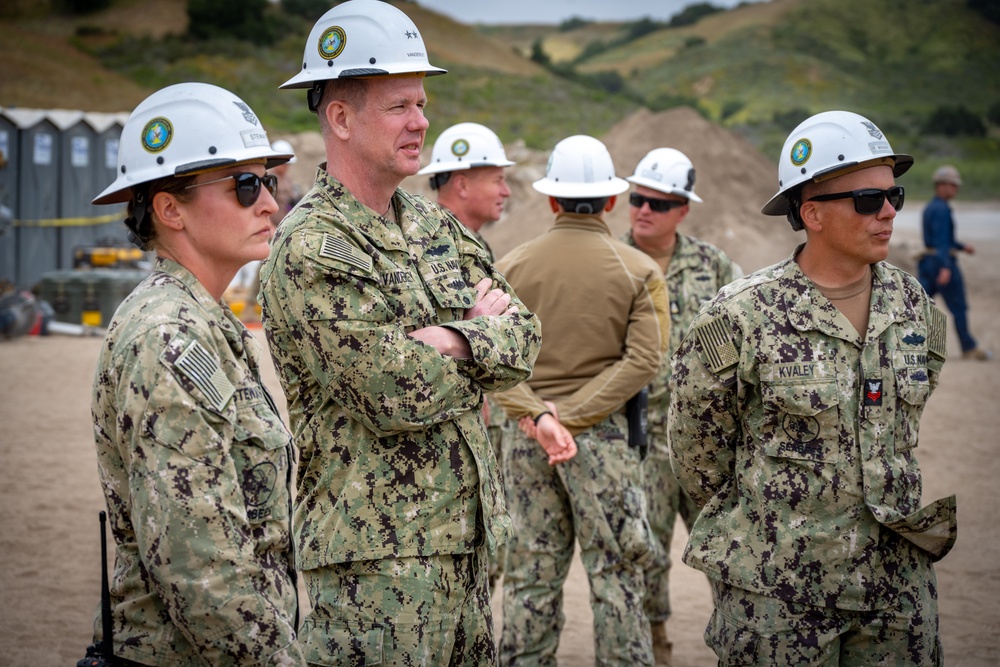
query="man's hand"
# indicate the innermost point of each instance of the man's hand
(447, 342)
(490, 302)
(944, 276)
(554, 438)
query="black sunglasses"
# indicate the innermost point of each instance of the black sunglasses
(658, 205)
(247, 186)
(868, 201)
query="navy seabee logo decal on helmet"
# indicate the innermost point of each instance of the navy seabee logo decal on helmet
(157, 135)
(460, 147)
(801, 151)
(332, 42)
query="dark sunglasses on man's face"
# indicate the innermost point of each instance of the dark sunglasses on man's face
(247, 186)
(869, 200)
(658, 205)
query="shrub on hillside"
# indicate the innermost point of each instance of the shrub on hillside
(242, 19)
(307, 9)
(993, 113)
(693, 13)
(955, 121)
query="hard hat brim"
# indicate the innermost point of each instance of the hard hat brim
(659, 187)
(609, 188)
(442, 167)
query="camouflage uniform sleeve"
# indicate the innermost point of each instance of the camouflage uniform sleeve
(703, 424)
(190, 519)
(504, 348)
(352, 341)
(647, 338)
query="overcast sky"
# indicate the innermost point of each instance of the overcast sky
(556, 11)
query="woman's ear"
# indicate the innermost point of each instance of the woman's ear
(168, 213)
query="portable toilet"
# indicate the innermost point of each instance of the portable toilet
(36, 236)
(8, 196)
(76, 158)
(108, 131)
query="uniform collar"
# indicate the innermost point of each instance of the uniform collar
(807, 309)
(218, 314)
(589, 222)
(380, 231)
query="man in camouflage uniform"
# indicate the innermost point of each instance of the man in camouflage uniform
(603, 309)
(694, 271)
(386, 333)
(194, 461)
(793, 423)
(467, 170)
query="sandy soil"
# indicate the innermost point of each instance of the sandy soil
(49, 580)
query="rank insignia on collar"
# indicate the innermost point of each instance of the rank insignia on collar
(873, 392)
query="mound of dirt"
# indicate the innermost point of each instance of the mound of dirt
(734, 180)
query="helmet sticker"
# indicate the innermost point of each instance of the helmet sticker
(460, 147)
(872, 130)
(247, 113)
(157, 135)
(801, 152)
(332, 42)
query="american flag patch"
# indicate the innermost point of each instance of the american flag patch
(716, 338)
(337, 248)
(936, 332)
(202, 369)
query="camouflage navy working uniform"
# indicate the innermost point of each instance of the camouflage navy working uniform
(798, 439)
(603, 311)
(696, 272)
(195, 466)
(494, 429)
(395, 462)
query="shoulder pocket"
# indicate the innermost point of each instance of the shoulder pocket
(913, 388)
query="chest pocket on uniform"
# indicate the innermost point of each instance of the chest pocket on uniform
(260, 453)
(446, 283)
(801, 420)
(913, 386)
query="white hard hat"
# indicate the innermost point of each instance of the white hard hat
(826, 145)
(667, 170)
(947, 174)
(362, 38)
(186, 129)
(465, 146)
(580, 167)
(282, 146)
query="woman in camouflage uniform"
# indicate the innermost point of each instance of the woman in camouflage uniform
(193, 458)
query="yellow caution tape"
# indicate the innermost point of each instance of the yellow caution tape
(69, 222)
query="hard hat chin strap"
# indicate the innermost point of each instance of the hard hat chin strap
(139, 225)
(315, 95)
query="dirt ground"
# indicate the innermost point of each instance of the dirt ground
(49, 578)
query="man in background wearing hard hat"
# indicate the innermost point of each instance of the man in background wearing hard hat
(795, 405)
(569, 472)
(468, 171)
(938, 269)
(388, 323)
(663, 189)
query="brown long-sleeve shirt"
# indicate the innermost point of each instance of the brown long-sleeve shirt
(605, 324)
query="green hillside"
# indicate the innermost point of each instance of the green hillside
(761, 68)
(757, 69)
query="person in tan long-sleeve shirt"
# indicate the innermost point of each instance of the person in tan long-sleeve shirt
(569, 473)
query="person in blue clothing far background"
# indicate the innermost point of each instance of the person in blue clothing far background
(938, 270)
